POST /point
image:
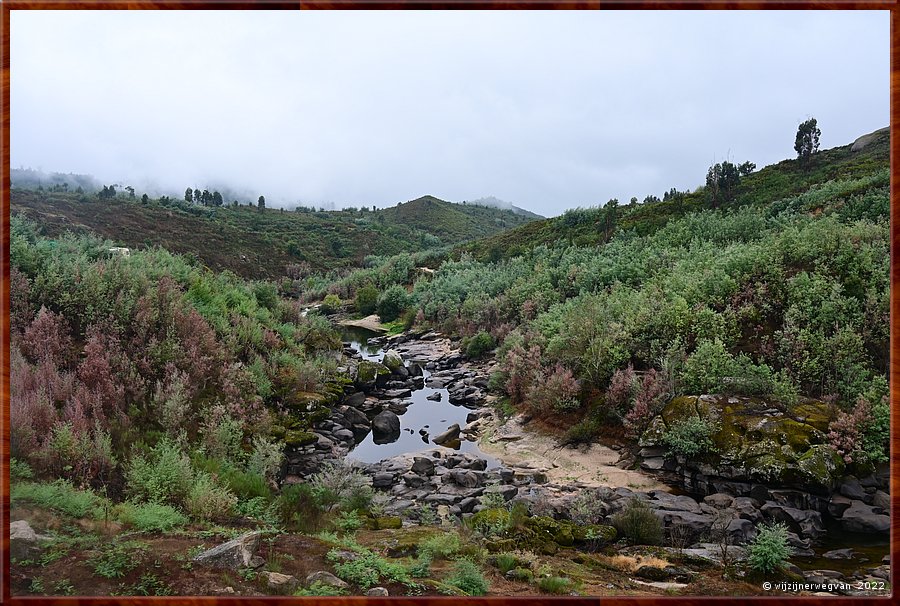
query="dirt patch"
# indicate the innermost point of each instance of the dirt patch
(593, 465)
(372, 323)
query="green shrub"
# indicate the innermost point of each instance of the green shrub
(555, 585)
(367, 569)
(266, 458)
(479, 345)
(770, 550)
(330, 304)
(440, 546)
(320, 589)
(298, 507)
(151, 517)
(468, 578)
(506, 562)
(637, 523)
(392, 303)
(118, 559)
(207, 501)
(366, 299)
(421, 568)
(60, 496)
(690, 437)
(338, 485)
(348, 521)
(19, 470)
(166, 475)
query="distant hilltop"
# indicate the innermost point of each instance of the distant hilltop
(493, 202)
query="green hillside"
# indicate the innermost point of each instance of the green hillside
(788, 178)
(264, 244)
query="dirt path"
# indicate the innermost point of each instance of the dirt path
(372, 323)
(593, 465)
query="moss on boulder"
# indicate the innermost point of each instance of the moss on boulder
(300, 438)
(759, 439)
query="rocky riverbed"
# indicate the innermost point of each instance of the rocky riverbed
(522, 465)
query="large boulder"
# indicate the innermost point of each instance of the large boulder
(393, 360)
(758, 441)
(370, 374)
(385, 427)
(235, 554)
(326, 578)
(24, 542)
(865, 518)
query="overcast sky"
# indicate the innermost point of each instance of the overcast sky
(548, 110)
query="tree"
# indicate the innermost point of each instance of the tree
(807, 141)
(610, 217)
(261, 203)
(722, 180)
(217, 199)
(145, 198)
(746, 168)
(197, 194)
(130, 191)
(189, 195)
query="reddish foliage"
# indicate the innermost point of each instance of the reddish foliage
(845, 432)
(523, 367)
(47, 338)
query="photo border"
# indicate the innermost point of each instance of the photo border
(894, 373)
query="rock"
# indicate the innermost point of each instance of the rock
(838, 505)
(839, 554)
(719, 500)
(863, 518)
(852, 489)
(378, 592)
(325, 577)
(383, 479)
(24, 542)
(237, 553)
(413, 480)
(386, 424)
(344, 435)
(435, 397)
(422, 466)
(280, 582)
(393, 360)
(865, 140)
(451, 435)
(882, 499)
(355, 416)
(465, 478)
(355, 400)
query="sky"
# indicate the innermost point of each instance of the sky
(547, 110)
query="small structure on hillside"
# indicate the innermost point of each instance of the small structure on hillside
(120, 250)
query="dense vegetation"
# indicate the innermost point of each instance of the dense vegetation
(782, 293)
(272, 244)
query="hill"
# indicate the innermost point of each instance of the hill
(868, 155)
(493, 202)
(257, 244)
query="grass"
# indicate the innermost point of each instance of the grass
(150, 517)
(556, 585)
(467, 578)
(118, 559)
(60, 496)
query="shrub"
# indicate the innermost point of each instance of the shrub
(440, 547)
(206, 501)
(392, 303)
(506, 562)
(19, 470)
(151, 517)
(479, 345)
(637, 523)
(421, 568)
(348, 522)
(583, 432)
(330, 304)
(118, 559)
(554, 389)
(320, 589)
(769, 551)
(337, 484)
(555, 585)
(298, 506)
(861, 435)
(367, 568)
(366, 299)
(166, 475)
(266, 458)
(690, 437)
(468, 578)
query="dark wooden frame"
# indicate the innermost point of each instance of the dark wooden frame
(894, 375)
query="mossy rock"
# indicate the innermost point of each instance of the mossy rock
(597, 533)
(393, 361)
(497, 545)
(320, 414)
(277, 431)
(542, 529)
(760, 439)
(305, 401)
(384, 523)
(367, 373)
(520, 574)
(300, 438)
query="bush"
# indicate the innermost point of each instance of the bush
(330, 304)
(769, 551)
(690, 437)
(19, 470)
(151, 517)
(479, 345)
(468, 578)
(298, 506)
(266, 458)
(555, 585)
(367, 569)
(166, 475)
(392, 303)
(440, 547)
(320, 589)
(366, 299)
(638, 523)
(337, 485)
(206, 501)
(506, 562)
